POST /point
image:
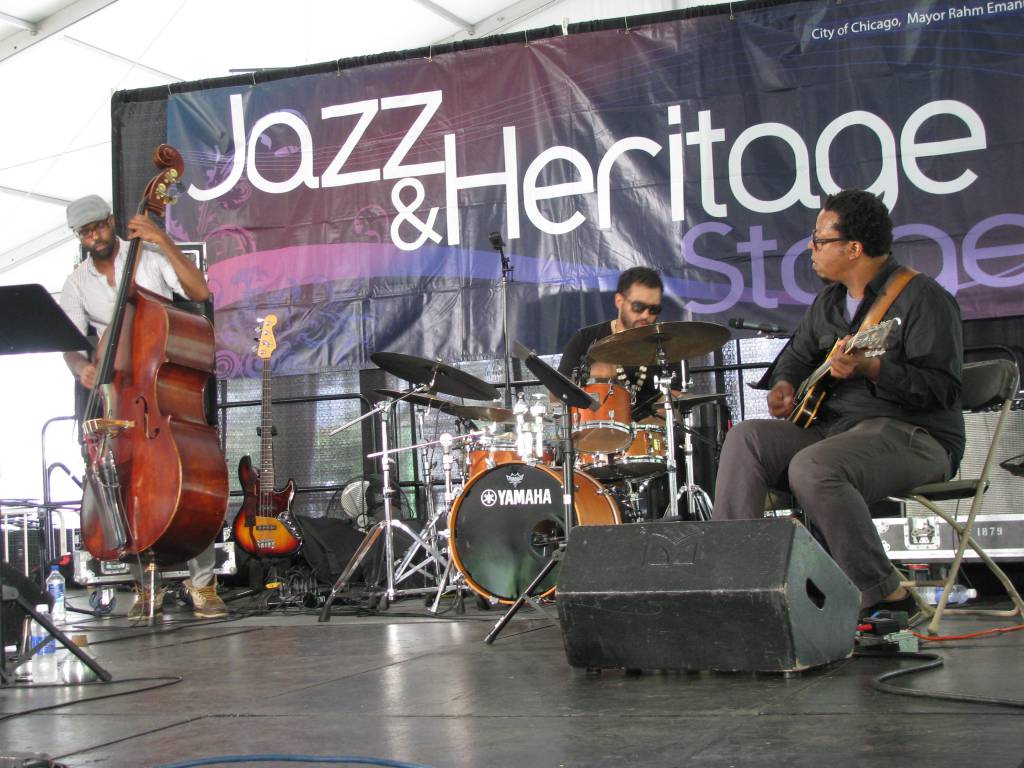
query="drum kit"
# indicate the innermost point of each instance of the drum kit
(511, 490)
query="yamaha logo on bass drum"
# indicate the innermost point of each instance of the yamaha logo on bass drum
(515, 495)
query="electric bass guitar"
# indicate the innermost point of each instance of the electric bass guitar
(264, 525)
(815, 388)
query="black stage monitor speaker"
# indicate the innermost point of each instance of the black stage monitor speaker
(735, 595)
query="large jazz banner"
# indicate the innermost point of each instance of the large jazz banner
(357, 205)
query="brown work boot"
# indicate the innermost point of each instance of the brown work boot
(140, 608)
(206, 603)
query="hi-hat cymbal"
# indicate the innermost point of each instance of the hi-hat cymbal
(483, 413)
(679, 340)
(685, 401)
(445, 378)
(427, 401)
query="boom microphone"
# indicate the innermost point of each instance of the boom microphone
(739, 322)
(496, 242)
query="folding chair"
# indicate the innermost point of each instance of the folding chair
(984, 385)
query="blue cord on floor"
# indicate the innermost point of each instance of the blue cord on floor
(286, 758)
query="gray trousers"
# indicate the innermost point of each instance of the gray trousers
(834, 479)
(200, 568)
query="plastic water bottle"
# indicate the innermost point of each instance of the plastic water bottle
(55, 586)
(44, 663)
(958, 595)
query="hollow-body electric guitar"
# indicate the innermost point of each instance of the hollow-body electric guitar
(815, 388)
(264, 525)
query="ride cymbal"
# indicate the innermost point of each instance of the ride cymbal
(446, 379)
(679, 340)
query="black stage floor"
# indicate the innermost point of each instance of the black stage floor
(407, 686)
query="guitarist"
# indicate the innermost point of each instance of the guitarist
(889, 423)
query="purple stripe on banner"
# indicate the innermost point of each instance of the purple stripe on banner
(238, 279)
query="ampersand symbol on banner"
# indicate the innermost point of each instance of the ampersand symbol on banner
(408, 213)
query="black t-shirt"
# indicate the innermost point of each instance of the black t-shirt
(919, 381)
(575, 364)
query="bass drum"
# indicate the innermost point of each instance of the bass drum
(505, 525)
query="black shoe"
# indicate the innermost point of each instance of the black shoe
(907, 605)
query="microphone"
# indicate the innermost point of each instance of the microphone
(496, 242)
(743, 325)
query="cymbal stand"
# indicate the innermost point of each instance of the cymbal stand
(426, 468)
(698, 503)
(448, 582)
(388, 525)
(564, 424)
(664, 382)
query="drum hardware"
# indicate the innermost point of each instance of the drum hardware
(450, 378)
(572, 397)
(698, 503)
(530, 428)
(658, 345)
(446, 582)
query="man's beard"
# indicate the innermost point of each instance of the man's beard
(638, 323)
(101, 250)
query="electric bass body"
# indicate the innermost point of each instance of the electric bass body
(263, 527)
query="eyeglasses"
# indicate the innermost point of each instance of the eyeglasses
(639, 307)
(91, 229)
(817, 242)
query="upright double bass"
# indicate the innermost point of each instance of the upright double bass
(156, 478)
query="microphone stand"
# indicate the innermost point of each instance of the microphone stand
(506, 278)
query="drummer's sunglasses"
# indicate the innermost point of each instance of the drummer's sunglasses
(639, 307)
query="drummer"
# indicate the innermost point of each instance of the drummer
(638, 303)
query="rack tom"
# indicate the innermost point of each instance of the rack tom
(607, 429)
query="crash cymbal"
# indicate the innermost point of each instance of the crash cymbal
(427, 401)
(680, 340)
(446, 379)
(482, 413)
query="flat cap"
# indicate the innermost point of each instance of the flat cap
(86, 210)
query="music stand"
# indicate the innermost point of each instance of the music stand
(573, 397)
(31, 321)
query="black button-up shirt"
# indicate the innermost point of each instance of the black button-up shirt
(919, 380)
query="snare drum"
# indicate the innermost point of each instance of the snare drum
(506, 523)
(607, 429)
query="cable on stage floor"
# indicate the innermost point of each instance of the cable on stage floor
(290, 758)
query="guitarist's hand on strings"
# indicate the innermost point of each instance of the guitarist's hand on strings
(780, 400)
(853, 364)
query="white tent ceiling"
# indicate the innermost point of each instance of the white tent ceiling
(60, 62)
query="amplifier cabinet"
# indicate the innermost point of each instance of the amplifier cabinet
(1005, 495)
